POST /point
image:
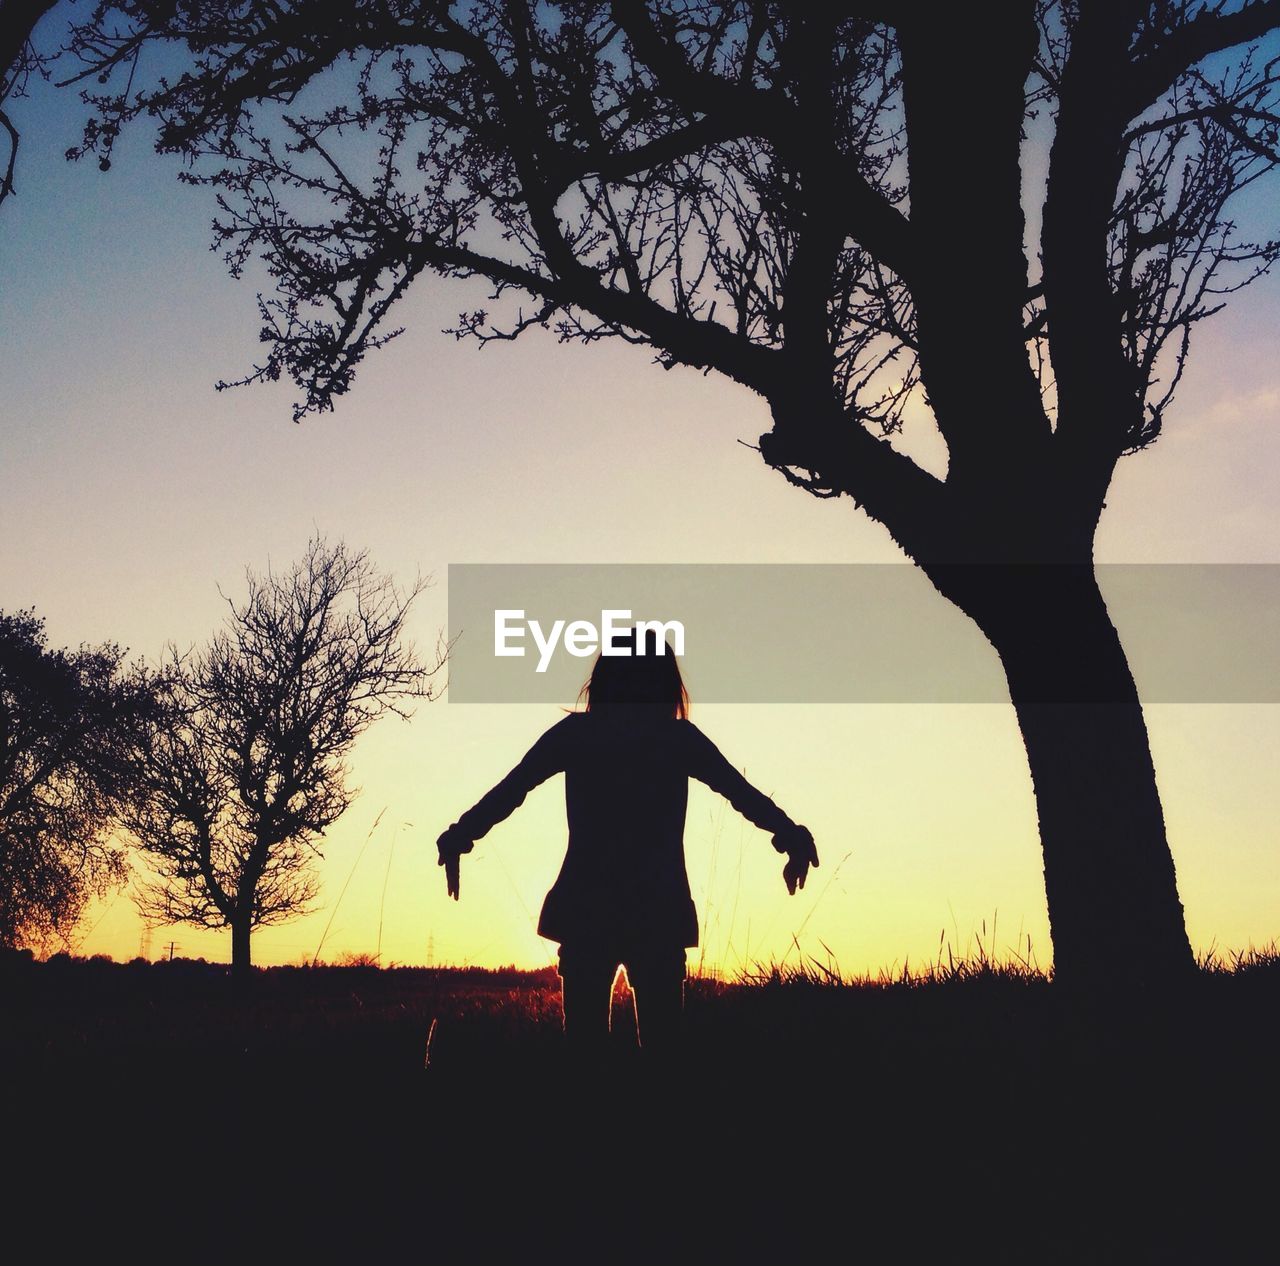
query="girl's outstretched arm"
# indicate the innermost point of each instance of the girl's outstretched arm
(545, 758)
(708, 764)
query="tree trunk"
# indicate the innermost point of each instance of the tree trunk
(241, 961)
(1114, 911)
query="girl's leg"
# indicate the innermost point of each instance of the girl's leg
(657, 981)
(586, 981)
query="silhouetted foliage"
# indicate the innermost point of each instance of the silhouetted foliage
(828, 204)
(19, 60)
(70, 726)
(245, 769)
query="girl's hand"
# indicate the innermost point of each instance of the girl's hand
(801, 853)
(451, 846)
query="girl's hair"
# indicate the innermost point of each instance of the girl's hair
(649, 678)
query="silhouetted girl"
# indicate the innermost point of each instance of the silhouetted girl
(622, 896)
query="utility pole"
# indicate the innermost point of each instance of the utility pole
(171, 944)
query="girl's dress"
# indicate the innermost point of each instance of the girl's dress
(623, 886)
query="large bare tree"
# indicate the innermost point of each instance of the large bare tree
(827, 203)
(246, 766)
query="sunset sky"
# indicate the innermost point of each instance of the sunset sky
(130, 490)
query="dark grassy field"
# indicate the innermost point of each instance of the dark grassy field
(979, 1104)
(975, 1017)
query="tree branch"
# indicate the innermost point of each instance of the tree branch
(702, 344)
(1153, 74)
(841, 456)
(870, 218)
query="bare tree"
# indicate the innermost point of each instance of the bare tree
(826, 203)
(246, 769)
(71, 723)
